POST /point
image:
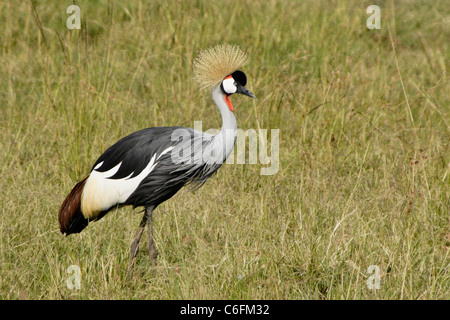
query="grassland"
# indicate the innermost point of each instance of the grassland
(364, 149)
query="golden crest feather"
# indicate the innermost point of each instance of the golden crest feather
(213, 64)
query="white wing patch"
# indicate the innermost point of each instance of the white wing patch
(101, 193)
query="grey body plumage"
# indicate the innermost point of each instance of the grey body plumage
(171, 172)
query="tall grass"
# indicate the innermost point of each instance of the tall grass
(364, 149)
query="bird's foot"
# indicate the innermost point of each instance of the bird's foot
(152, 253)
(133, 253)
(134, 249)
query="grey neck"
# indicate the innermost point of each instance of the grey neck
(226, 138)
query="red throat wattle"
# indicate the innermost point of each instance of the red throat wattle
(228, 101)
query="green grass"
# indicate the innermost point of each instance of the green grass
(364, 149)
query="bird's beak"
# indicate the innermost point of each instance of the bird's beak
(243, 90)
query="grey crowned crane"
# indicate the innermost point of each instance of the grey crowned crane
(149, 166)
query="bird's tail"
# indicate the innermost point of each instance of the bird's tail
(71, 219)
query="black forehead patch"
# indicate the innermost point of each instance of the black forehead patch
(240, 77)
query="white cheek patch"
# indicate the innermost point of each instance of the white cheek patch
(228, 86)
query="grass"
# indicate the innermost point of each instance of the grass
(364, 149)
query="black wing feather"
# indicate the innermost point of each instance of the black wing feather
(135, 151)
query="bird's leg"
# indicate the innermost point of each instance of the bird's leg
(152, 252)
(135, 245)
